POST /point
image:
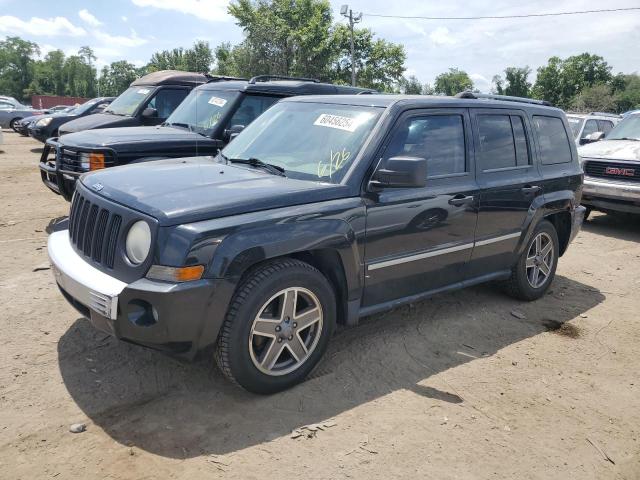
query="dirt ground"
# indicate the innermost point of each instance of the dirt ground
(469, 385)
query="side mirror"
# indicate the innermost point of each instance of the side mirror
(592, 137)
(149, 112)
(233, 132)
(401, 172)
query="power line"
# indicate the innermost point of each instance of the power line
(488, 17)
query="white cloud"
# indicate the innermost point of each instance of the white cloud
(89, 18)
(211, 10)
(441, 36)
(480, 82)
(124, 19)
(119, 41)
(40, 26)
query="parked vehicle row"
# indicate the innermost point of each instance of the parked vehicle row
(12, 111)
(587, 128)
(322, 210)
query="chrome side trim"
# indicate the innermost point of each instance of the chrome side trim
(501, 238)
(86, 284)
(442, 251)
(419, 256)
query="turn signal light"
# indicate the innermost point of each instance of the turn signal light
(175, 274)
(96, 161)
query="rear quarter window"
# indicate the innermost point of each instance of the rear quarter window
(552, 140)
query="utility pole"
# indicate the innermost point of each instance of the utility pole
(345, 11)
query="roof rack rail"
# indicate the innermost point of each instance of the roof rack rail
(266, 78)
(604, 114)
(506, 98)
(216, 78)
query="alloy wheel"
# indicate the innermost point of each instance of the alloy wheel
(285, 331)
(540, 258)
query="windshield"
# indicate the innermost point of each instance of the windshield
(322, 145)
(85, 106)
(629, 128)
(129, 100)
(575, 123)
(202, 110)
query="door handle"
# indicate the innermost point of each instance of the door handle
(460, 200)
(529, 189)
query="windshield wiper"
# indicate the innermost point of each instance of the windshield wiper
(178, 124)
(625, 138)
(256, 162)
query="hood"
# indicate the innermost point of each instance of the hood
(187, 190)
(112, 137)
(97, 120)
(612, 150)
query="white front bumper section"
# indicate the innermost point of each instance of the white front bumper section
(85, 283)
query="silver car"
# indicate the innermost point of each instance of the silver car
(587, 127)
(11, 111)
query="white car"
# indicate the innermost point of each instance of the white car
(586, 126)
(612, 169)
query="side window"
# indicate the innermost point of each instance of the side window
(605, 126)
(166, 101)
(250, 108)
(553, 140)
(503, 142)
(5, 106)
(590, 127)
(438, 138)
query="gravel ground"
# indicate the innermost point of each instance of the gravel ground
(468, 385)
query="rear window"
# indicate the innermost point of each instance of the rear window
(503, 142)
(552, 139)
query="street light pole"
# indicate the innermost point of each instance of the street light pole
(345, 11)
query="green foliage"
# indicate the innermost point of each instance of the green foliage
(626, 91)
(452, 82)
(410, 85)
(16, 65)
(497, 85)
(117, 77)
(597, 98)
(195, 59)
(517, 81)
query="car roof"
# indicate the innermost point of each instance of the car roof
(283, 86)
(426, 101)
(171, 77)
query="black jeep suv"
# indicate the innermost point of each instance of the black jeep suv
(204, 122)
(323, 210)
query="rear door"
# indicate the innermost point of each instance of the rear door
(509, 182)
(420, 239)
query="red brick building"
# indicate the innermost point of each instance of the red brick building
(48, 101)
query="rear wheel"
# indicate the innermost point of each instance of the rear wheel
(536, 267)
(278, 326)
(13, 125)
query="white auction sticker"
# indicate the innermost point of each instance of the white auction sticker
(337, 121)
(143, 91)
(217, 101)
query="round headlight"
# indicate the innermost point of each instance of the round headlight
(43, 122)
(138, 242)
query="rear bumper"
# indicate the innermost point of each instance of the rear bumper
(181, 318)
(608, 195)
(59, 181)
(577, 219)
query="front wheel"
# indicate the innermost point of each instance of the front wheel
(278, 326)
(13, 125)
(536, 267)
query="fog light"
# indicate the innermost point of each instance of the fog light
(141, 313)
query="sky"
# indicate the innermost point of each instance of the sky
(134, 29)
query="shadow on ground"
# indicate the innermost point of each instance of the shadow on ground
(620, 226)
(37, 150)
(148, 400)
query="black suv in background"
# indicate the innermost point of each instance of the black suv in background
(203, 123)
(323, 210)
(47, 126)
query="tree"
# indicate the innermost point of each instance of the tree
(117, 77)
(379, 63)
(16, 65)
(410, 85)
(497, 85)
(548, 82)
(626, 89)
(517, 84)
(195, 59)
(283, 37)
(452, 82)
(597, 98)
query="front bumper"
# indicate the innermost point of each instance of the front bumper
(62, 182)
(39, 134)
(181, 318)
(609, 195)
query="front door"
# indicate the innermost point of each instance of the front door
(509, 183)
(420, 239)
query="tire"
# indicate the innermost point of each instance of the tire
(523, 283)
(262, 363)
(587, 212)
(12, 124)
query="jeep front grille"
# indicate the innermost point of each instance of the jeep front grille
(613, 170)
(94, 230)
